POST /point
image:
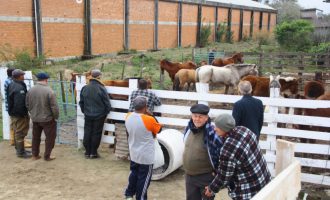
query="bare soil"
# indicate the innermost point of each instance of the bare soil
(71, 176)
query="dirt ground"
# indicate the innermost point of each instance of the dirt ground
(71, 176)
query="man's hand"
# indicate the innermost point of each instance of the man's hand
(208, 192)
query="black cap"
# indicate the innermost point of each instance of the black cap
(42, 76)
(200, 109)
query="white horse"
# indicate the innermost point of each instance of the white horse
(228, 75)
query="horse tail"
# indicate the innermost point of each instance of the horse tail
(196, 74)
(176, 84)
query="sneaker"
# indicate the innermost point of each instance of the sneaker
(93, 156)
(24, 155)
(128, 198)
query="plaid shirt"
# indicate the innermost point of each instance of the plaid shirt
(242, 167)
(6, 85)
(153, 100)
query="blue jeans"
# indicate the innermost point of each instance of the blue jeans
(138, 180)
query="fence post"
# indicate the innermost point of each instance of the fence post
(202, 88)
(273, 111)
(284, 155)
(80, 82)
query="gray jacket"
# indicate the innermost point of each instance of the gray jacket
(41, 103)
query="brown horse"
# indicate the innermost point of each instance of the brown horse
(260, 85)
(182, 77)
(313, 89)
(173, 68)
(235, 59)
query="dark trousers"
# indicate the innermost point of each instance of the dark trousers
(139, 180)
(49, 129)
(92, 135)
(195, 186)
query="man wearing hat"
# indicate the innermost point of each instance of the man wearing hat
(95, 104)
(248, 111)
(17, 111)
(242, 168)
(42, 105)
(142, 130)
(201, 152)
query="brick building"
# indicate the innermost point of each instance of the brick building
(83, 27)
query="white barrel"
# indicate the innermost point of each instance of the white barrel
(171, 141)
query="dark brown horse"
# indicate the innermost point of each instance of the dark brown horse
(313, 89)
(260, 85)
(173, 68)
(235, 59)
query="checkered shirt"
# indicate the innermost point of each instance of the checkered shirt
(6, 85)
(242, 167)
(153, 100)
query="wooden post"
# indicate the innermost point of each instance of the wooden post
(37, 23)
(180, 24)
(156, 26)
(123, 71)
(88, 29)
(80, 83)
(260, 63)
(284, 155)
(268, 24)
(126, 26)
(63, 93)
(202, 88)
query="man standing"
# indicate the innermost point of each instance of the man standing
(95, 104)
(248, 111)
(142, 129)
(142, 90)
(201, 152)
(18, 112)
(42, 105)
(242, 168)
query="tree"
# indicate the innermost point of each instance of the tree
(288, 10)
(294, 35)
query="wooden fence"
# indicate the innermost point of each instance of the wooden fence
(176, 113)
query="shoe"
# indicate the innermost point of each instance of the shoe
(27, 144)
(36, 157)
(92, 156)
(50, 158)
(87, 156)
(128, 198)
(24, 155)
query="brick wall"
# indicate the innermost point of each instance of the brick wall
(63, 25)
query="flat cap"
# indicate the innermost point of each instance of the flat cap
(17, 72)
(200, 109)
(42, 76)
(96, 73)
(139, 102)
(225, 122)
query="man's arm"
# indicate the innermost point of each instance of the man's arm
(236, 114)
(53, 105)
(81, 101)
(106, 100)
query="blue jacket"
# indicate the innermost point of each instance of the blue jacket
(212, 141)
(249, 112)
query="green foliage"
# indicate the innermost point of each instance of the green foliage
(229, 36)
(221, 30)
(205, 34)
(294, 35)
(246, 37)
(321, 48)
(262, 39)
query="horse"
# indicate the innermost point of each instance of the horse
(173, 68)
(229, 75)
(235, 59)
(182, 77)
(260, 85)
(313, 89)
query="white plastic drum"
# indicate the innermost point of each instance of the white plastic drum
(171, 141)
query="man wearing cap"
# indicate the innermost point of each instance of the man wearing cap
(201, 152)
(248, 111)
(95, 104)
(17, 111)
(242, 168)
(42, 105)
(142, 129)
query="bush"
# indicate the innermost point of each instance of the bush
(229, 36)
(262, 39)
(23, 60)
(321, 48)
(221, 30)
(294, 35)
(205, 34)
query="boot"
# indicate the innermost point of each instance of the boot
(12, 137)
(19, 145)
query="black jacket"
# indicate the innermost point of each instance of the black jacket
(94, 100)
(16, 99)
(249, 112)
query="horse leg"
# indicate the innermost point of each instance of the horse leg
(226, 89)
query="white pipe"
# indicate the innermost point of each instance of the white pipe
(171, 141)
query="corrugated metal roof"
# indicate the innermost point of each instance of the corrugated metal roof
(247, 3)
